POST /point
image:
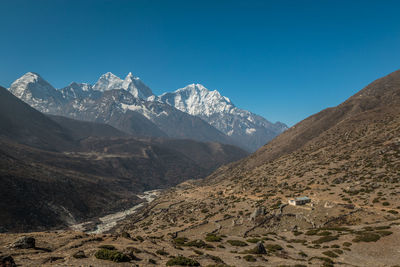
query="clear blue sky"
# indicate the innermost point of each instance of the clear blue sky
(284, 60)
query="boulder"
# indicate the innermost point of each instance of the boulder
(24, 242)
(79, 255)
(257, 212)
(7, 261)
(260, 249)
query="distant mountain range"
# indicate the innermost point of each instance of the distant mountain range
(56, 171)
(192, 112)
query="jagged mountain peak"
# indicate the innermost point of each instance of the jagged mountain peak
(203, 92)
(108, 81)
(35, 90)
(248, 129)
(131, 83)
(83, 86)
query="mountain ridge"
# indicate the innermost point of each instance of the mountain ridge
(232, 126)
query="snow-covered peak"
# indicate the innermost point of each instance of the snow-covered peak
(248, 129)
(131, 83)
(34, 90)
(108, 81)
(19, 86)
(83, 86)
(76, 90)
(136, 87)
(196, 99)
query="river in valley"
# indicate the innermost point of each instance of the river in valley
(106, 223)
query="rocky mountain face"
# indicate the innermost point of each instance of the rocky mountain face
(247, 129)
(129, 105)
(56, 171)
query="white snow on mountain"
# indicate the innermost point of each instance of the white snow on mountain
(132, 84)
(111, 94)
(33, 89)
(221, 113)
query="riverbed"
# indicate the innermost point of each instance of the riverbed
(109, 221)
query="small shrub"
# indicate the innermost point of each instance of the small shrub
(198, 252)
(347, 244)
(384, 233)
(215, 258)
(273, 247)
(367, 237)
(250, 258)
(126, 235)
(162, 252)
(237, 243)
(312, 232)
(213, 238)
(111, 255)
(324, 233)
(330, 254)
(180, 241)
(198, 244)
(182, 261)
(325, 239)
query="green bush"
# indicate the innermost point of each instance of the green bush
(312, 232)
(237, 243)
(180, 241)
(182, 261)
(213, 238)
(162, 252)
(384, 233)
(111, 255)
(273, 247)
(330, 254)
(367, 237)
(250, 258)
(324, 233)
(347, 244)
(325, 239)
(215, 258)
(198, 244)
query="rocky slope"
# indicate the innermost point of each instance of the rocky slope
(346, 159)
(247, 129)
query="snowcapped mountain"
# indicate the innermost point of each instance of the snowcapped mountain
(247, 129)
(131, 84)
(77, 90)
(120, 103)
(34, 90)
(192, 112)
